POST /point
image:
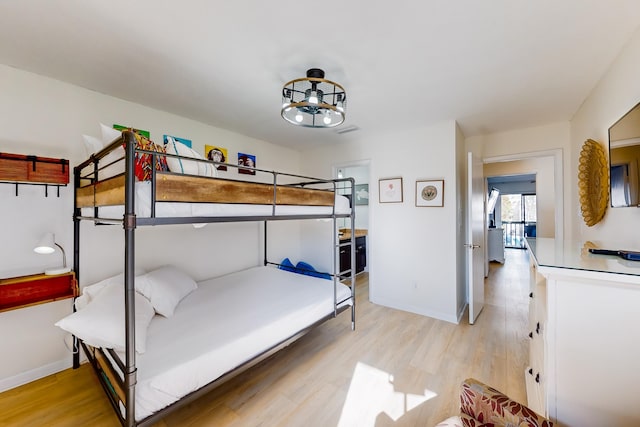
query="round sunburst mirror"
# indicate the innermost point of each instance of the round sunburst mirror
(593, 182)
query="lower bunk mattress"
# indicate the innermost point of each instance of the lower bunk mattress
(225, 322)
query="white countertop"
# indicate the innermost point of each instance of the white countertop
(554, 253)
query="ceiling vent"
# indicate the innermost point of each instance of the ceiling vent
(346, 129)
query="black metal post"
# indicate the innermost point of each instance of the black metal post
(76, 255)
(129, 224)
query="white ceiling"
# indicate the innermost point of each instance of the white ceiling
(491, 65)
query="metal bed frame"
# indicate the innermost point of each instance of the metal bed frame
(130, 222)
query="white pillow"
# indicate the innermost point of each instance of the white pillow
(186, 166)
(89, 292)
(108, 134)
(165, 288)
(92, 145)
(102, 324)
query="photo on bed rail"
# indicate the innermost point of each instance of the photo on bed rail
(246, 160)
(217, 154)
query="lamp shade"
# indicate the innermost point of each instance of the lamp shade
(46, 245)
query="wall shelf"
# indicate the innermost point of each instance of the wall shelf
(25, 291)
(21, 169)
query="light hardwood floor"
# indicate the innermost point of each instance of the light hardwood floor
(396, 369)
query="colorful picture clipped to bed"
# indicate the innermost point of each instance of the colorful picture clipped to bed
(144, 133)
(246, 160)
(166, 139)
(217, 154)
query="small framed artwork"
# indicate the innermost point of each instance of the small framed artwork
(246, 160)
(430, 193)
(361, 193)
(390, 190)
(216, 154)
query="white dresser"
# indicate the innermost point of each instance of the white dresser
(495, 243)
(584, 320)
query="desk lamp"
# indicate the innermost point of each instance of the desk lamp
(47, 245)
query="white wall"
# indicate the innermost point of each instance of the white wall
(46, 117)
(413, 263)
(616, 93)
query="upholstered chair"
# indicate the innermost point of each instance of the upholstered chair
(484, 406)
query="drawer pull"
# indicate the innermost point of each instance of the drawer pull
(538, 378)
(530, 294)
(530, 371)
(538, 328)
(531, 335)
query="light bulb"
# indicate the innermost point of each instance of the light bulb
(299, 117)
(339, 106)
(313, 98)
(327, 119)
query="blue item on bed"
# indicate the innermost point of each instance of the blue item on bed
(287, 265)
(302, 268)
(308, 269)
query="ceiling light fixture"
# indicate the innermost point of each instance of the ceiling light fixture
(310, 101)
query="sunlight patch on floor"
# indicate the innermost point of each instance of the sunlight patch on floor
(372, 393)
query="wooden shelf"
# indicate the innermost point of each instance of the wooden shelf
(23, 169)
(25, 291)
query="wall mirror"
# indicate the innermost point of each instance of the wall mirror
(624, 156)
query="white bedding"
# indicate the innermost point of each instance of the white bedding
(170, 209)
(225, 322)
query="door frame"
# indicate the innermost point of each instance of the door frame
(558, 180)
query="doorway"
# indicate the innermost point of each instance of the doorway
(515, 212)
(359, 171)
(547, 166)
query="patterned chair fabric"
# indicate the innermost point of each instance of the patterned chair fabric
(484, 406)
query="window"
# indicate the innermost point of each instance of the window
(519, 217)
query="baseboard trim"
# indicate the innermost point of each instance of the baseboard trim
(417, 310)
(35, 374)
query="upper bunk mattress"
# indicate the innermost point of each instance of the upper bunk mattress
(184, 209)
(225, 322)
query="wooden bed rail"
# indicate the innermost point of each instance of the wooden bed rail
(171, 187)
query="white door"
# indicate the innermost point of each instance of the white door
(475, 236)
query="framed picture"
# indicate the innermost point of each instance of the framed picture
(361, 193)
(246, 160)
(216, 154)
(430, 193)
(390, 190)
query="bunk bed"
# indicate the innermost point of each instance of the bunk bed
(144, 386)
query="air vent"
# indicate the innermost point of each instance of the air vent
(346, 129)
